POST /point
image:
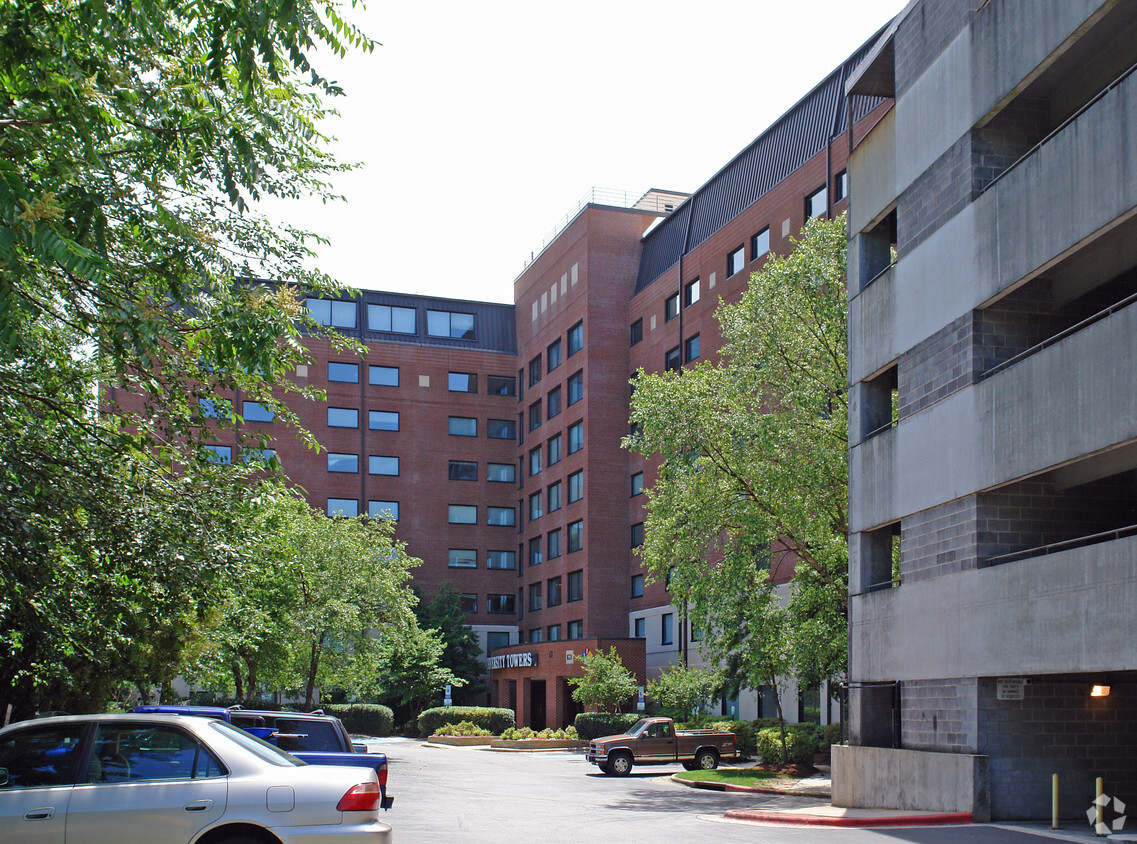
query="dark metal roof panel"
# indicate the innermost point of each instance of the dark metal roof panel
(494, 324)
(789, 143)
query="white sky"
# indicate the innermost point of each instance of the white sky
(481, 124)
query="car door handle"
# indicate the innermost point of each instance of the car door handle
(43, 814)
(198, 805)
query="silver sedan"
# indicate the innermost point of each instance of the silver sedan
(152, 779)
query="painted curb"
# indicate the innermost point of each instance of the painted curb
(792, 819)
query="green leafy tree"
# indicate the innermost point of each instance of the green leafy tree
(752, 477)
(414, 676)
(135, 142)
(606, 683)
(682, 688)
(444, 614)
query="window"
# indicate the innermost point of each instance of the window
(521, 428)
(218, 453)
(463, 514)
(343, 462)
(576, 535)
(501, 516)
(346, 507)
(536, 635)
(576, 338)
(640, 628)
(671, 307)
(468, 601)
(637, 535)
(576, 486)
(383, 510)
(501, 473)
(666, 628)
(463, 558)
(501, 385)
(535, 461)
(554, 591)
(576, 629)
(495, 640)
(255, 411)
(383, 420)
(575, 586)
(463, 426)
(258, 455)
(637, 585)
(553, 354)
(383, 376)
(534, 370)
(554, 544)
(554, 497)
(382, 465)
(815, 204)
(331, 312)
(691, 349)
(637, 331)
(637, 483)
(462, 382)
(554, 632)
(841, 186)
(392, 318)
(343, 417)
(348, 373)
(672, 361)
(691, 293)
(534, 596)
(506, 560)
(575, 437)
(735, 261)
(500, 604)
(138, 753)
(576, 387)
(554, 448)
(448, 324)
(212, 408)
(463, 470)
(554, 400)
(40, 757)
(760, 244)
(535, 415)
(535, 501)
(500, 429)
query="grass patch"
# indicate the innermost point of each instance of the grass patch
(749, 777)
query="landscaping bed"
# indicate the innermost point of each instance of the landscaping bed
(775, 778)
(538, 744)
(461, 741)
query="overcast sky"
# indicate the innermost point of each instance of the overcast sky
(481, 124)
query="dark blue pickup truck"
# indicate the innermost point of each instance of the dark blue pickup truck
(313, 737)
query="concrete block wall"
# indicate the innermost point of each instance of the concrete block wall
(939, 540)
(925, 34)
(937, 367)
(937, 195)
(1006, 138)
(940, 715)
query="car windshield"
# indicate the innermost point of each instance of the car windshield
(260, 748)
(639, 727)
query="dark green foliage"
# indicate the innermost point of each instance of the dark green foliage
(487, 717)
(801, 745)
(828, 736)
(590, 725)
(369, 719)
(444, 613)
(744, 730)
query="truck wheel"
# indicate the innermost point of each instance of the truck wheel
(689, 766)
(620, 764)
(604, 768)
(706, 760)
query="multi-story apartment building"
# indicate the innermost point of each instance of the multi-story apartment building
(993, 425)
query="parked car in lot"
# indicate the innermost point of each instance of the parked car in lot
(156, 778)
(655, 741)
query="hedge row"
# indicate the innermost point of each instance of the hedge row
(489, 718)
(590, 725)
(369, 719)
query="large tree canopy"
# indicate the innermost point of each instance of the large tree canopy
(753, 469)
(135, 141)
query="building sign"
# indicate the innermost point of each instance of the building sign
(568, 657)
(1010, 688)
(525, 660)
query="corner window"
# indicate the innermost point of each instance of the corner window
(331, 312)
(637, 331)
(391, 318)
(637, 585)
(456, 326)
(575, 437)
(463, 514)
(691, 293)
(255, 411)
(735, 261)
(501, 385)
(691, 348)
(576, 629)
(553, 354)
(383, 420)
(463, 426)
(815, 204)
(343, 417)
(383, 376)
(576, 387)
(554, 402)
(462, 382)
(463, 558)
(554, 495)
(671, 307)
(576, 535)
(576, 486)
(554, 450)
(383, 510)
(575, 586)
(554, 546)
(382, 465)
(672, 361)
(501, 516)
(501, 473)
(506, 560)
(637, 483)
(576, 338)
(463, 470)
(347, 508)
(348, 463)
(501, 429)
(348, 373)
(760, 244)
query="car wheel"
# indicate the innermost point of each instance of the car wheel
(242, 838)
(604, 768)
(621, 764)
(690, 766)
(706, 760)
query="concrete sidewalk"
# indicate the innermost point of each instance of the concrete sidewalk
(826, 815)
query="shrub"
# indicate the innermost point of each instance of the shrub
(489, 718)
(465, 728)
(369, 719)
(590, 725)
(829, 735)
(800, 745)
(763, 723)
(742, 729)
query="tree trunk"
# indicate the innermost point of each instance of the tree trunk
(238, 692)
(781, 719)
(313, 664)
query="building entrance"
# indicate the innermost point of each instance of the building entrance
(537, 704)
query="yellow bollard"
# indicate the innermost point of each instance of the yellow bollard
(1054, 801)
(1098, 804)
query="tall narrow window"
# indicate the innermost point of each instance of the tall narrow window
(554, 496)
(671, 307)
(554, 402)
(735, 261)
(576, 629)
(691, 348)
(576, 535)
(575, 586)
(815, 204)
(672, 360)
(691, 293)
(576, 486)
(534, 370)
(554, 448)
(637, 331)
(575, 338)
(760, 244)
(637, 483)
(575, 437)
(554, 543)
(553, 354)
(666, 628)
(535, 415)
(576, 387)
(535, 552)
